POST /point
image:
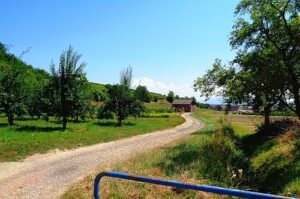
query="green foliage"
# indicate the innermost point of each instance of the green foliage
(156, 96)
(159, 114)
(279, 126)
(99, 92)
(170, 97)
(122, 102)
(272, 29)
(71, 88)
(126, 76)
(221, 160)
(293, 188)
(158, 107)
(142, 93)
(21, 87)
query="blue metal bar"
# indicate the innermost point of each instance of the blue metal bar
(205, 188)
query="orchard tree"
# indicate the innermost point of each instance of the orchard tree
(69, 82)
(122, 103)
(37, 99)
(142, 94)
(170, 97)
(126, 76)
(12, 95)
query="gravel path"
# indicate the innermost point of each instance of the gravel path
(49, 175)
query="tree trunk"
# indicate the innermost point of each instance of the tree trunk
(64, 123)
(63, 99)
(297, 101)
(267, 111)
(10, 119)
(119, 121)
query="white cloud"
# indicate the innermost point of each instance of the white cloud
(163, 88)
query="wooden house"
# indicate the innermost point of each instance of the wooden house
(184, 105)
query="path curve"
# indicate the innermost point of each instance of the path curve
(50, 175)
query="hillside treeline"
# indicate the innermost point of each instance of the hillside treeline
(65, 92)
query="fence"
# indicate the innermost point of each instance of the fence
(205, 188)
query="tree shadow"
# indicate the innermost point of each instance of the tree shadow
(179, 158)
(3, 124)
(38, 129)
(208, 132)
(26, 119)
(255, 143)
(113, 124)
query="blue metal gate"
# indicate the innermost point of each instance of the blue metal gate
(205, 188)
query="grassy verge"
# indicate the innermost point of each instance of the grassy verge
(174, 161)
(267, 163)
(37, 136)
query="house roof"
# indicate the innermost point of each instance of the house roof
(182, 102)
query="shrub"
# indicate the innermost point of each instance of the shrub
(221, 160)
(280, 126)
(272, 169)
(293, 188)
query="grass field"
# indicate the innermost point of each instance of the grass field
(161, 106)
(181, 161)
(37, 136)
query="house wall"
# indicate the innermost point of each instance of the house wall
(183, 107)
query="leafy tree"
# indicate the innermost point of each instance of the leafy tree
(104, 113)
(155, 98)
(37, 93)
(194, 101)
(69, 82)
(272, 24)
(122, 103)
(12, 83)
(126, 76)
(170, 97)
(259, 68)
(249, 82)
(81, 97)
(142, 94)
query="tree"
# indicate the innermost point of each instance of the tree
(142, 94)
(194, 101)
(170, 97)
(272, 24)
(37, 100)
(251, 82)
(12, 84)
(122, 103)
(68, 81)
(121, 100)
(126, 76)
(260, 78)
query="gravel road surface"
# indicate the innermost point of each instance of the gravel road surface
(49, 175)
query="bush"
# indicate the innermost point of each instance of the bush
(293, 188)
(274, 168)
(280, 126)
(221, 160)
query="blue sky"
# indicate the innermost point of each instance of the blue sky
(168, 43)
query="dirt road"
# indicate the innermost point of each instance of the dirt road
(49, 175)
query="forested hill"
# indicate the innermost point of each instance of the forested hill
(102, 88)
